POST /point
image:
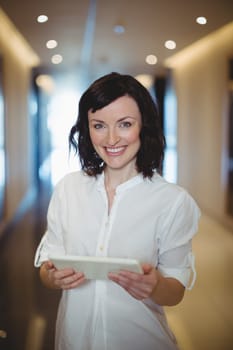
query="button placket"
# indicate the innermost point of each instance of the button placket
(101, 246)
(104, 238)
(103, 241)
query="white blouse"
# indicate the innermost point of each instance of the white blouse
(150, 220)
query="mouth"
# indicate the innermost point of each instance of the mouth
(114, 150)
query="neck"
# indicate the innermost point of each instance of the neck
(115, 177)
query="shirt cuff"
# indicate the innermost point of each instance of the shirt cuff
(186, 275)
(39, 256)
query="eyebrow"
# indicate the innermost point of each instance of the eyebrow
(96, 120)
(120, 120)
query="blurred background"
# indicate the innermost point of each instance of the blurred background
(50, 52)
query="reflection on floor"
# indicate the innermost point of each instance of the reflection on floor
(203, 321)
(27, 309)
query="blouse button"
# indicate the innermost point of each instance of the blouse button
(101, 248)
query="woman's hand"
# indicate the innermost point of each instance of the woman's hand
(60, 279)
(140, 286)
(162, 290)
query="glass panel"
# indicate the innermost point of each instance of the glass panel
(2, 146)
(230, 145)
(170, 132)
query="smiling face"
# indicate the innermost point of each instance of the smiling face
(115, 133)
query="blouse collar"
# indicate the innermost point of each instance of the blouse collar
(122, 187)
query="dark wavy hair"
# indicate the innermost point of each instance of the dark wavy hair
(101, 93)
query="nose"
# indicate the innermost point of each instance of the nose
(113, 137)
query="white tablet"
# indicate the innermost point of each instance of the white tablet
(95, 267)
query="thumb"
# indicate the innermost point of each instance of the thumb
(147, 268)
(48, 265)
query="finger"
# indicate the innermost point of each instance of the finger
(143, 288)
(133, 276)
(143, 283)
(73, 281)
(65, 273)
(135, 292)
(128, 279)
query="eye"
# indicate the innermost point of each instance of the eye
(98, 126)
(125, 124)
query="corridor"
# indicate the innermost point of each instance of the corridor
(40, 87)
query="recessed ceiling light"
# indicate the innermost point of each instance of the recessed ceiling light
(170, 44)
(119, 29)
(45, 82)
(56, 59)
(51, 44)
(201, 20)
(42, 19)
(151, 59)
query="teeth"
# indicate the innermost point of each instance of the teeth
(114, 150)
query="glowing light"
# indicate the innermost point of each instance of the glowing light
(201, 20)
(170, 44)
(42, 19)
(151, 59)
(45, 82)
(119, 29)
(56, 59)
(51, 44)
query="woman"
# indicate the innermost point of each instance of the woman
(119, 206)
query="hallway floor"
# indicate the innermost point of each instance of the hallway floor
(203, 321)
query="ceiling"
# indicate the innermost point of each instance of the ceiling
(88, 43)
